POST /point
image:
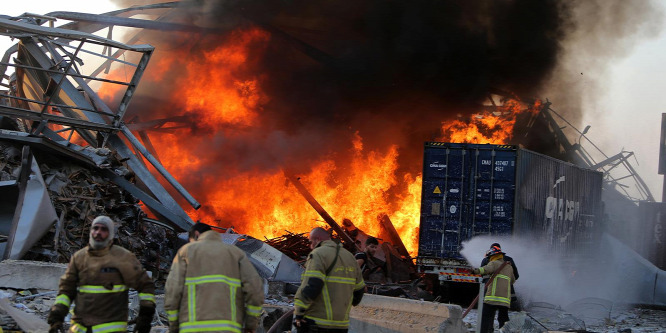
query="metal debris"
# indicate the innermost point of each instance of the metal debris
(79, 193)
(295, 246)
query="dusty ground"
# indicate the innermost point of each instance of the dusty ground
(593, 315)
(619, 320)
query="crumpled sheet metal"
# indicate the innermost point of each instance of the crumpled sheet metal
(270, 263)
(33, 218)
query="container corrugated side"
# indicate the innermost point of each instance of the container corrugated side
(557, 203)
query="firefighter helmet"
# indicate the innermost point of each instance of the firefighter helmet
(495, 250)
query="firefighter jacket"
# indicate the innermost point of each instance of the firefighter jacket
(98, 281)
(330, 307)
(213, 287)
(499, 289)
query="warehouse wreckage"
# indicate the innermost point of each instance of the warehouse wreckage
(67, 155)
(51, 108)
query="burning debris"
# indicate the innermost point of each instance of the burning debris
(295, 246)
(215, 99)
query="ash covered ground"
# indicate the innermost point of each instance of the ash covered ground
(621, 319)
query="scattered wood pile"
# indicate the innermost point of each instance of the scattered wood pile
(294, 246)
(80, 193)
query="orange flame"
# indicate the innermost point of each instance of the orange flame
(222, 91)
(493, 127)
(216, 98)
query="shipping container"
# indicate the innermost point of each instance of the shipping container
(482, 189)
(650, 241)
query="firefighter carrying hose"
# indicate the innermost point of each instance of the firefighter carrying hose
(98, 278)
(498, 294)
(331, 284)
(212, 286)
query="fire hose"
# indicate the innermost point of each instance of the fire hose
(281, 321)
(486, 286)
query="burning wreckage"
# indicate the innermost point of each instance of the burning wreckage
(67, 156)
(69, 152)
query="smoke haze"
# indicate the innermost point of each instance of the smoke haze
(612, 271)
(324, 78)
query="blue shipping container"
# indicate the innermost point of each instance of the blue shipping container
(482, 189)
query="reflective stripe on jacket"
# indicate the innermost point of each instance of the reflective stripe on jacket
(499, 290)
(213, 287)
(98, 281)
(119, 326)
(330, 309)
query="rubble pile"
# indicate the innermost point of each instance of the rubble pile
(294, 246)
(80, 193)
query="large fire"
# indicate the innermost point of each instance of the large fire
(225, 96)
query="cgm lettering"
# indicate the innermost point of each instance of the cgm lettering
(561, 209)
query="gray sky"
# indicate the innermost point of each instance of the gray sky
(628, 115)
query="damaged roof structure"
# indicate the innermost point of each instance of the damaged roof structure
(67, 155)
(51, 108)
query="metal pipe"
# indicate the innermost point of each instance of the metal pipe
(385, 222)
(129, 22)
(68, 74)
(280, 322)
(479, 312)
(36, 295)
(54, 104)
(32, 115)
(483, 288)
(322, 212)
(158, 166)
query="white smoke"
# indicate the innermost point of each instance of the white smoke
(615, 273)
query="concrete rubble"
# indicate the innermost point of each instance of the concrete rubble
(33, 274)
(389, 314)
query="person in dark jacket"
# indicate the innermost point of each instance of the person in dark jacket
(503, 313)
(372, 268)
(498, 293)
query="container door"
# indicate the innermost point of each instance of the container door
(468, 190)
(494, 188)
(441, 200)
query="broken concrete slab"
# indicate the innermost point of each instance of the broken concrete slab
(27, 321)
(591, 310)
(33, 274)
(391, 315)
(552, 317)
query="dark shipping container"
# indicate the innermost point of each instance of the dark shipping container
(475, 189)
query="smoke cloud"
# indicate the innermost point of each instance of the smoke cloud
(389, 72)
(339, 66)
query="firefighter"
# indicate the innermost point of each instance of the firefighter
(98, 278)
(498, 293)
(331, 283)
(212, 286)
(503, 315)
